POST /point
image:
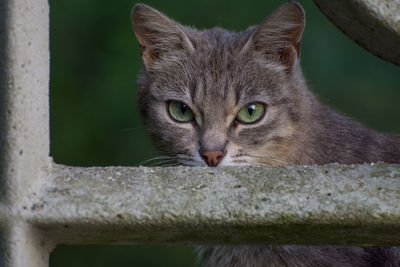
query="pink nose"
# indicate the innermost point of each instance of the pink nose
(212, 158)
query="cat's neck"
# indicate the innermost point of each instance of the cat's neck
(336, 138)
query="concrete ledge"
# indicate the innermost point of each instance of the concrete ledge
(373, 24)
(332, 204)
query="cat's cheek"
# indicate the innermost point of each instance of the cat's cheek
(226, 161)
(253, 136)
(232, 150)
(168, 136)
(183, 140)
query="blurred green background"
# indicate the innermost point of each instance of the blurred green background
(94, 121)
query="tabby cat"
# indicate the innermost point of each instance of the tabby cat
(220, 98)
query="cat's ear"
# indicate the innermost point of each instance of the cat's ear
(279, 35)
(156, 33)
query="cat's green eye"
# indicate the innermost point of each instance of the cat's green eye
(251, 113)
(180, 111)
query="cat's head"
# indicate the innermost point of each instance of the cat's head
(221, 98)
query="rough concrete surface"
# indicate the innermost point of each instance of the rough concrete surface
(373, 24)
(332, 204)
(24, 131)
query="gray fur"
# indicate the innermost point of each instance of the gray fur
(300, 256)
(216, 73)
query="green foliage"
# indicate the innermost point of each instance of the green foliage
(94, 63)
(124, 256)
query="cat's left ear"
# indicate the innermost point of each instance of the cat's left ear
(279, 35)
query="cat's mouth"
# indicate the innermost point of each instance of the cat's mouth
(239, 159)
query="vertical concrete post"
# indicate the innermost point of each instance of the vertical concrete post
(24, 126)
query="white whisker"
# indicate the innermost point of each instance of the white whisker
(155, 158)
(159, 163)
(169, 165)
(269, 158)
(257, 164)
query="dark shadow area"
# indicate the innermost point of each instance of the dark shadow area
(2, 246)
(3, 97)
(123, 256)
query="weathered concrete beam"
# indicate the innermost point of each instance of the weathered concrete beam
(24, 126)
(332, 204)
(373, 24)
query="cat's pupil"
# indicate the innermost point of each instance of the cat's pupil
(183, 107)
(251, 109)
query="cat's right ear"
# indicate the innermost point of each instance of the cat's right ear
(156, 33)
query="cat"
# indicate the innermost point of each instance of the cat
(220, 98)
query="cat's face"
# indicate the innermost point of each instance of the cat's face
(221, 98)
